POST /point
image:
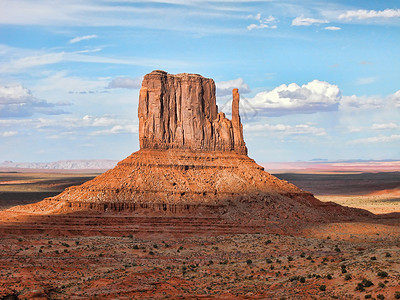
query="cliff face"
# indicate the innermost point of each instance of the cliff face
(180, 112)
(193, 162)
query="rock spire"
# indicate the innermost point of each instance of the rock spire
(180, 112)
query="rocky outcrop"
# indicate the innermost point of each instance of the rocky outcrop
(193, 162)
(180, 112)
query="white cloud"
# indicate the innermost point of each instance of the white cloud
(377, 139)
(256, 17)
(8, 133)
(361, 102)
(69, 126)
(225, 88)
(117, 129)
(300, 129)
(370, 102)
(384, 126)
(366, 80)
(394, 99)
(332, 28)
(312, 97)
(301, 21)
(125, 83)
(363, 14)
(269, 22)
(172, 16)
(18, 101)
(82, 38)
(24, 61)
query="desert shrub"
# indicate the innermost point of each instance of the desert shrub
(347, 277)
(373, 257)
(77, 243)
(155, 246)
(322, 287)
(268, 260)
(151, 252)
(368, 296)
(337, 249)
(302, 254)
(367, 283)
(380, 296)
(360, 287)
(65, 244)
(289, 258)
(397, 295)
(344, 270)
(210, 262)
(382, 274)
(249, 261)
(268, 242)
(387, 254)
(329, 276)
(302, 279)
(381, 285)
(136, 247)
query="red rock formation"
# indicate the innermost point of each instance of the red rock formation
(180, 112)
(193, 161)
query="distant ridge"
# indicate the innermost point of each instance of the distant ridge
(91, 164)
(333, 166)
(274, 167)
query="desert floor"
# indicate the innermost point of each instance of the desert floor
(377, 192)
(326, 261)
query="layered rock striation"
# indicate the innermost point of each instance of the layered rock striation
(180, 112)
(193, 162)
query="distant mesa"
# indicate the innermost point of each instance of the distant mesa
(193, 162)
(94, 164)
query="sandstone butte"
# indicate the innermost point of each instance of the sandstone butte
(193, 162)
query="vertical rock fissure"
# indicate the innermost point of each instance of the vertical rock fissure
(180, 112)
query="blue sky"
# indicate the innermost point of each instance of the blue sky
(318, 79)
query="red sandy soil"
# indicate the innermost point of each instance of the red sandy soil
(126, 256)
(112, 256)
(240, 266)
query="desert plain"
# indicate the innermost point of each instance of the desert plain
(42, 259)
